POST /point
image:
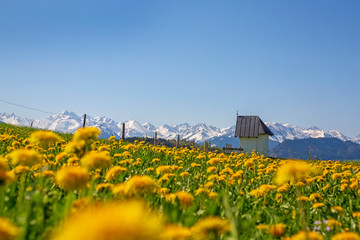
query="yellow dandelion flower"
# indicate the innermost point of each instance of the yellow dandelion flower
(277, 230)
(24, 157)
(114, 173)
(354, 185)
(140, 185)
(212, 195)
(209, 227)
(119, 190)
(155, 160)
(336, 176)
(86, 134)
(20, 169)
(283, 188)
(176, 232)
(249, 163)
(111, 138)
(103, 148)
(94, 159)
(104, 186)
(193, 165)
(262, 226)
(346, 236)
(209, 185)
(333, 223)
(48, 173)
(317, 205)
(171, 197)
(214, 161)
(3, 164)
(344, 187)
(184, 174)
(72, 178)
(126, 220)
(302, 235)
(211, 169)
(164, 190)
(293, 171)
(267, 188)
(74, 147)
(326, 187)
(337, 209)
(315, 196)
(164, 169)
(200, 190)
(356, 214)
(16, 144)
(44, 138)
(8, 231)
(80, 204)
(186, 199)
(257, 193)
(60, 157)
(303, 198)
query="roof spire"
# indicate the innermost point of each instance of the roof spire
(237, 113)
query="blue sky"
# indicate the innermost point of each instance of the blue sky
(171, 62)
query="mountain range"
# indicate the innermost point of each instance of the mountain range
(69, 122)
(317, 148)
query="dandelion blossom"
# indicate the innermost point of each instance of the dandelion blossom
(318, 205)
(44, 138)
(140, 185)
(176, 232)
(163, 169)
(72, 178)
(346, 236)
(210, 227)
(302, 235)
(86, 134)
(93, 160)
(126, 220)
(7, 230)
(25, 157)
(186, 199)
(277, 230)
(3, 164)
(114, 172)
(293, 171)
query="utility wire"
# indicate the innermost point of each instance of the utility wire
(19, 105)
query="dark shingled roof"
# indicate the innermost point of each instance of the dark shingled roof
(251, 126)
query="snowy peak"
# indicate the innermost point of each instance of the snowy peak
(286, 131)
(11, 118)
(313, 128)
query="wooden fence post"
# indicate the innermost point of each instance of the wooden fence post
(155, 138)
(123, 132)
(205, 147)
(84, 120)
(31, 124)
(178, 141)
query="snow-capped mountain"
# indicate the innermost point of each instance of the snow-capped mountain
(14, 120)
(69, 122)
(284, 131)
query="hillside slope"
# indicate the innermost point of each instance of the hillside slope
(320, 148)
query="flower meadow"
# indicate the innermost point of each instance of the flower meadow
(62, 186)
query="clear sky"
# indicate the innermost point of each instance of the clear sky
(172, 62)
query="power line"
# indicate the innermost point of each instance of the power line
(19, 105)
